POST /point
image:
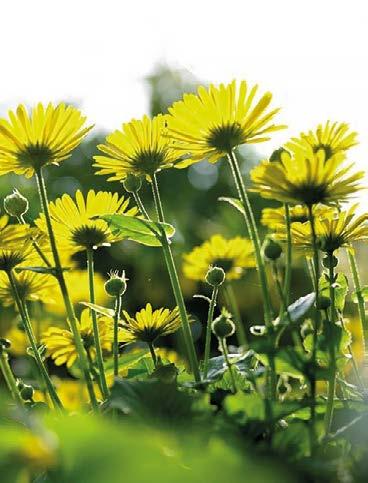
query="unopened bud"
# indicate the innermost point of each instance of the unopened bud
(272, 250)
(323, 303)
(223, 326)
(132, 183)
(16, 204)
(215, 276)
(27, 392)
(116, 285)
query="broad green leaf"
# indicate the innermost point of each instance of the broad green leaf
(252, 405)
(235, 203)
(341, 290)
(138, 229)
(126, 360)
(99, 309)
(288, 361)
(298, 308)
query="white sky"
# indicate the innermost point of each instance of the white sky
(311, 54)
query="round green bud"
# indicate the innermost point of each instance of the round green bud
(223, 326)
(20, 384)
(323, 303)
(132, 183)
(16, 204)
(116, 285)
(271, 249)
(5, 343)
(215, 276)
(26, 392)
(327, 261)
(276, 155)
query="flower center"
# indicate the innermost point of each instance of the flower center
(35, 155)
(89, 236)
(225, 138)
(10, 259)
(330, 243)
(225, 263)
(148, 161)
(310, 194)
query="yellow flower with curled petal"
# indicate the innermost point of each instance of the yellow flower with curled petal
(46, 135)
(274, 218)
(148, 324)
(31, 286)
(331, 137)
(60, 342)
(233, 256)
(211, 123)
(306, 178)
(140, 148)
(334, 230)
(73, 220)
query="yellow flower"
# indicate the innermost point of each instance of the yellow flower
(331, 137)
(233, 256)
(306, 178)
(18, 338)
(15, 244)
(77, 282)
(31, 287)
(46, 135)
(140, 148)
(73, 223)
(216, 120)
(60, 342)
(148, 324)
(274, 218)
(72, 393)
(333, 230)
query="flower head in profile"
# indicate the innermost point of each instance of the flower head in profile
(74, 223)
(334, 230)
(60, 342)
(15, 244)
(275, 218)
(233, 256)
(45, 135)
(148, 324)
(140, 148)
(307, 178)
(333, 138)
(31, 287)
(213, 122)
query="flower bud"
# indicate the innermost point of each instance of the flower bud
(223, 326)
(215, 276)
(116, 285)
(26, 392)
(271, 249)
(16, 204)
(323, 303)
(132, 183)
(5, 343)
(327, 261)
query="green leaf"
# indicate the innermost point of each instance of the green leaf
(235, 203)
(288, 361)
(45, 270)
(298, 308)
(251, 405)
(99, 309)
(341, 289)
(127, 360)
(142, 231)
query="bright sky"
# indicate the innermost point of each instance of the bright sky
(312, 54)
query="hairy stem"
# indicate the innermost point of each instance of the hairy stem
(209, 331)
(234, 308)
(115, 348)
(9, 377)
(229, 366)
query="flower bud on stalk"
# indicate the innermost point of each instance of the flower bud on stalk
(271, 249)
(132, 183)
(223, 326)
(215, 276)
(116, 285)
(16, 204)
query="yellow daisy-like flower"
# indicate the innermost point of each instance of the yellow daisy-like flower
(233, 256)
(31, 286)
(149, 324)
(216, 120)
(274, 218)
(46, 135)
(18, 337)
(331, 137)
(140, 148)
(15, 244)
(60, 342)
(306, 178)
(334, 230)
(73, 223)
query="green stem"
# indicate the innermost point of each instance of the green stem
(192, 356)
(9, 377)
(73, 321)
(35, 245)
(361, 302)
(229, 366)
(316, 273)
(233, 306)
(96, 332)
(287, 280)
(153, 354)
(116, 335)
(209, 330)
(331, 323)
(253, 234)
(140, 205)
(22, 309)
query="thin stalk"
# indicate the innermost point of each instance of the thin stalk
(253, 234)
(9, 377)
(115, 347)
(35, 245)
(22, 309)
(331, 323)
(73, 321)
(229, 366)
(209, 331)
(233, 305)
(316, 273)
(140, 205)
(96, 332)
(361, 302)
(153, 354)
(192, 356)
(288, 261)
